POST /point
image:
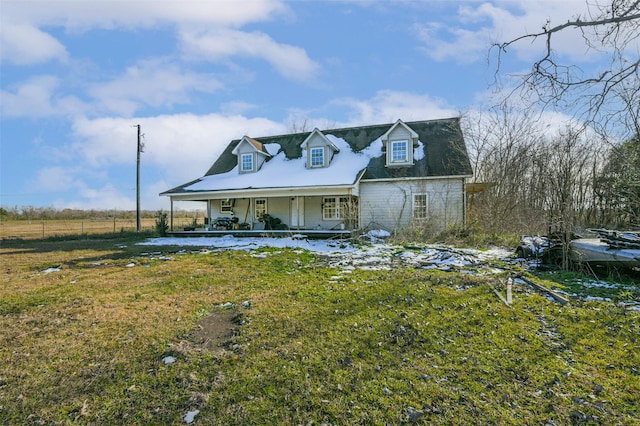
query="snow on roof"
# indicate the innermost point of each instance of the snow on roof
(281, 172)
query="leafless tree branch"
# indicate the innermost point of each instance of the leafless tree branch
(597, 99)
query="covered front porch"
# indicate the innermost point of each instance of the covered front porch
(301, 234)
(316, 212)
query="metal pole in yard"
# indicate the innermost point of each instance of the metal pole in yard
(139, 150)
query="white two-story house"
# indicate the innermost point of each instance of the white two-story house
(385, 176)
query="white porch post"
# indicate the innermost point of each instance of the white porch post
(297, 213)
(251, 213)
(171, 213)
(208, 228)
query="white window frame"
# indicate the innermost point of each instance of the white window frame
(226, 206)
(334, 208)
(316, 157)
(243, 164)
(260, 211)
(396, 147)
(420, 209)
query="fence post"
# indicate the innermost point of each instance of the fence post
(114, 224)
(43, 229)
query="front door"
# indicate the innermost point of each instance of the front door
(297, 212)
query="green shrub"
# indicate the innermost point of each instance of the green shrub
(161, 223)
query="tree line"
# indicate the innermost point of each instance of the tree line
(538, 180)
(52, 213)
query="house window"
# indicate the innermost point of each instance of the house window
(246, 162)
(335, 208)
(399, 151)
(317, 157)
(226, 206)
(260, 207)
(420, 206)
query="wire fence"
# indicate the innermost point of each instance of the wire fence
(40, 229)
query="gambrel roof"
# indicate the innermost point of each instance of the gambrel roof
(440, 152)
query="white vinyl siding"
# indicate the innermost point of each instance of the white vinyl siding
(390, 204)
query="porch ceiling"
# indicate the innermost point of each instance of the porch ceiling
(268, 193)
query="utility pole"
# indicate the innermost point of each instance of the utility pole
(138, 220)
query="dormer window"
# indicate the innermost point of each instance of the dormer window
(399, 142)
(251, 155)
(399, 151)
(317, 157)
(320, 150)
(247, 162)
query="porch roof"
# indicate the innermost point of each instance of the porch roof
(289, 191)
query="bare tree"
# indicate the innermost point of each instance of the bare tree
(503, 146)
(599, 99)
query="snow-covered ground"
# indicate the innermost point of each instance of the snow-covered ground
(376, 254)
(346, 255)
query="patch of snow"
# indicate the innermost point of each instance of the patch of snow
(169, 360)
(130, 265)
(536, 244)
(190, 416)
(596, 299)
(347, 256)
(376, 235)
(418, 152)
(50, 270)
(277, 172)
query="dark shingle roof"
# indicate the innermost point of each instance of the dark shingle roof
(445, 151)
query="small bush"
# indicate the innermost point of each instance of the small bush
(161, 223)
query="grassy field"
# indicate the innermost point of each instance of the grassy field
(108, 332)
(42, 229)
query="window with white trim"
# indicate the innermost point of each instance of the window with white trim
(335, 208)
(246, 162)
(399, 151)
(419, 206)
(226, 206)
(260, 207)
(317, 157)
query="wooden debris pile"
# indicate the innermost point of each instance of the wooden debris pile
(619, 239)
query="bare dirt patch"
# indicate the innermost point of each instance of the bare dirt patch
(215, 331)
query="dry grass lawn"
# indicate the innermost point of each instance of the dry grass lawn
(86, 327)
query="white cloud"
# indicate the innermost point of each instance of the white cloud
(25, 44)
(182, 146)
(37, 97)
(23, 41)
(476, 26)
(32, 98)
(54, 179)
(388, 106)
(222, 43)
(105, 197)
(155, 83)
(108, 14)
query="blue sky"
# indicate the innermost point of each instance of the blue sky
(77, 75)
